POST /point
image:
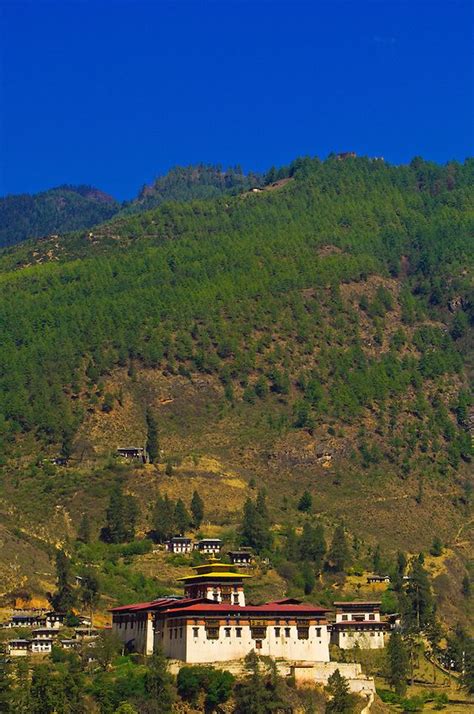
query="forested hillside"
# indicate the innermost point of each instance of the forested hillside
(313, 336)
(185, 183)
(65, 208)
(69, 208)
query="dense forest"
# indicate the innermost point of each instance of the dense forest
(249, 288)
(186, 183)
(69, 208)
(65, 208)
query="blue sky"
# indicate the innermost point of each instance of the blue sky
(113, 93)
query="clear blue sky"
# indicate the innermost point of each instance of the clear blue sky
(113, 93)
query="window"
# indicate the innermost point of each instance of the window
(180, 631)
(258, 644)
(303, 633)
(227, 631)
(236, 599)
(258, 632)
(318, 632)
(171, 634)
(238, 632)
(277, 631)
(372, 634)
(287, 631)
(212, 633)
(344, 617)
(372, 617)
(195, 631)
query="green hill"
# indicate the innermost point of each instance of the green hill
(313, 336)
(195, 182)
(65, 208)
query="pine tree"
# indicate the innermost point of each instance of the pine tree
(341, 701)
(338, 556)
(64, 597)
(377, 560)
(90, 591)
(121, 517)
(181, 517)
(197, 509)
(306, 502)
(84, 530)
(397, 664)
(255, 530)
(163, 519)
(419, 595)
(153, 447)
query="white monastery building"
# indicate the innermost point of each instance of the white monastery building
(359, 623)
(212, 623)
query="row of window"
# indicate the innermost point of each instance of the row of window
(212, 633)
(349, 617)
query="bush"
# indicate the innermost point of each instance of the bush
(216, 683)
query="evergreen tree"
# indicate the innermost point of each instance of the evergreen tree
(397, 664)
(84, 530)
(341, 700)
(338, 557)
(306, 502)
(159, 686)
(163, 519)
(153, 447)
(377, 560)
(121, 517)
(90, 591)
(255, 530)
(64, 597)
(436, 547)
(420, 598)
(197, 510)
(181, 517)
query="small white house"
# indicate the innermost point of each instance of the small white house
(18, 648)
(179, 544)
(209, 546)
(359, 623)
(240, 557)
(41, 645)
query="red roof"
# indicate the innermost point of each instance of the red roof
(287, 609)
(157, 604)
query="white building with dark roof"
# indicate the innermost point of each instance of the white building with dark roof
(359, 622)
